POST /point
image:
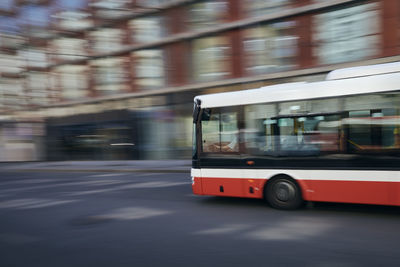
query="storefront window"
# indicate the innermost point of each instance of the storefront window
(347, 35)
(207, 13)
(165, 132)
(147, 29)
(270, 48)
(211, 58)
(255, 8)
(149, 68)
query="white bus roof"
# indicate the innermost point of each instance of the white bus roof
(363, 71)
(301, 91)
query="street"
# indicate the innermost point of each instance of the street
(153, 219)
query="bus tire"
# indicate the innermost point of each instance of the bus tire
(282, 192)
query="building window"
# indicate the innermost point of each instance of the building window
(147, 29)
(107, 39)
(10, 40)
(154, 3)
(9, 25)
(6, 5)
(270, 48)
(110, 75)
(149, 68)
(34, 57)
(12, 95)
(35, 20)
(35, 15)
(254, 8)
(73, 81)
(10, 63)
(349, 34)
(73, 20)
(211, 58)
(37, 85)
(111, 9)
(69, 48)
(207, 13)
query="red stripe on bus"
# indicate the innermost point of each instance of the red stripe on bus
(382, 193)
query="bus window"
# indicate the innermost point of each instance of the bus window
(210, 130)
(220, 131)
(259, 134)
(295, 137)
(373, 131)
(327, 133)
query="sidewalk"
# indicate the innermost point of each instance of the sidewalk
(181, 166)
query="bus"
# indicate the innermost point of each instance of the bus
(336, 140)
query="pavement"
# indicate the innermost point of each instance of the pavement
(160, 166)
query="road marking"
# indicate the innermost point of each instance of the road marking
(192, 195)
(27, 181)
(33, 203)
(155, 184)
(89, 192)
(39, 187)
(135, 213)
(224, 229)
(95, 182)
(107, 175)
(299, 229)
(149, 174)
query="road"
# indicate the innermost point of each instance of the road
(152, 219)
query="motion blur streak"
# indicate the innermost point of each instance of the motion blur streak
(115, 80)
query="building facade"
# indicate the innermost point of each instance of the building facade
(108, 79)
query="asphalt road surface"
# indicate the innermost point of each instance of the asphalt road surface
(152, 219)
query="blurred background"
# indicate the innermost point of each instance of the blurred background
(115, 79)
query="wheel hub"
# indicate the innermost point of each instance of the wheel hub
(285, 191)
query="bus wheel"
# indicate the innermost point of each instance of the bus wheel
(283, 192)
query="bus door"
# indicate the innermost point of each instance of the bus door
(220, 160)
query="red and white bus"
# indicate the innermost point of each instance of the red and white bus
(337, 140)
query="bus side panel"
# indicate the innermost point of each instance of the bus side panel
(352, 191)
(232, 187)
(197, 186)
(395, 194)
(253, 188)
